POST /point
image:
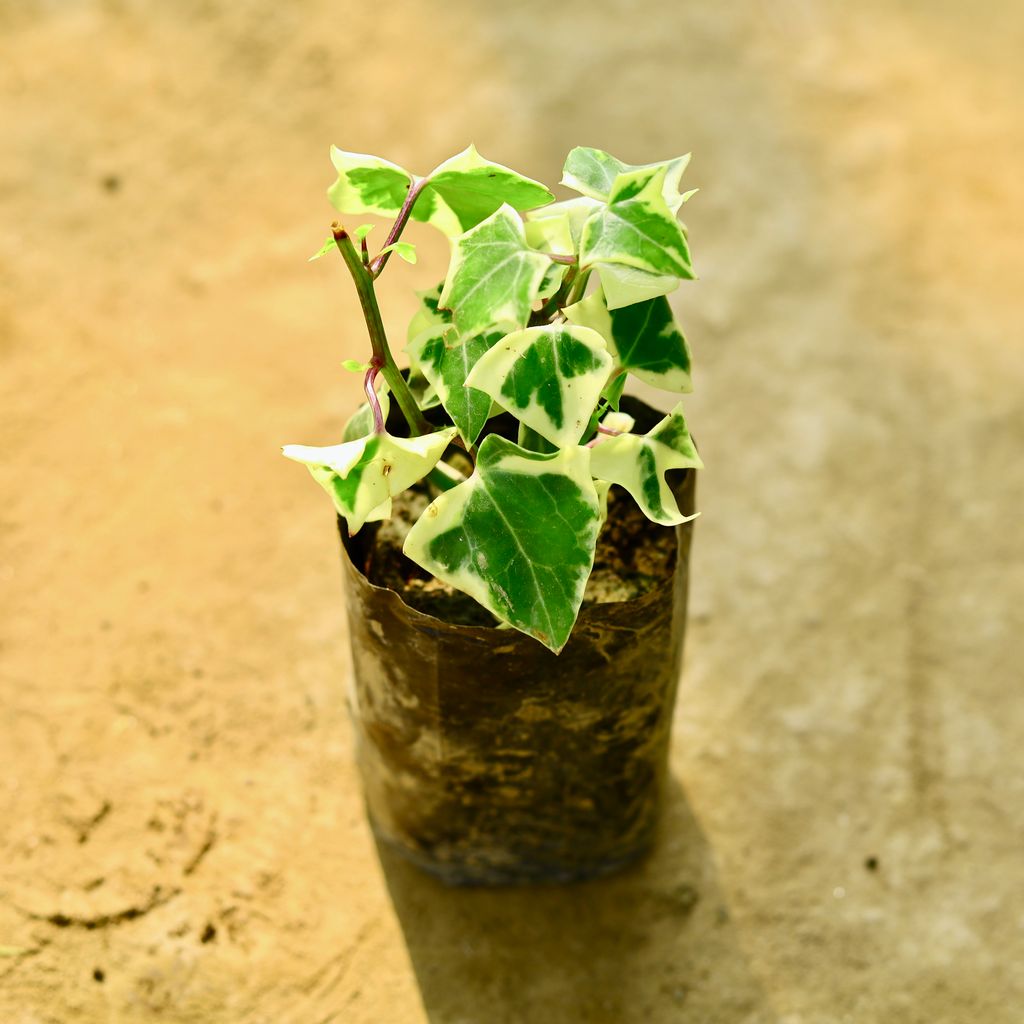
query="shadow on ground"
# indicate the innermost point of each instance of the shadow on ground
(654, 943)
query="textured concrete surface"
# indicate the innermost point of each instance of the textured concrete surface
(182, 836)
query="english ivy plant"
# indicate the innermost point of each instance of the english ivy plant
(546, 309)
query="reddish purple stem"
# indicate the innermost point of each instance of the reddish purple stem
(371, 396)
(602, 430)
(378, 263)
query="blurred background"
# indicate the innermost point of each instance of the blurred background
(181, 830)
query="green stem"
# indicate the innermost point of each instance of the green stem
(579, 286)
(382, 356)
(444, 478)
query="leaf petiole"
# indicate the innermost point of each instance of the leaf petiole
(380, 260)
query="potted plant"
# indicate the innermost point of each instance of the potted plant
(503, 734)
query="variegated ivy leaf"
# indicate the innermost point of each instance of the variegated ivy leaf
(557, 228)
(592, 172)
(638, 463)
(550, 378)
(360, 423)
(518, 536)
(552, 280)
(368, 184)
(620, 422)
(429, 316)
(424, 393)
(445, 360)
(643, 337)
(494, 276)
(548, 234)
(362, 476)
(459, 193)
(473, 187)
(552, 235)
(637, 229)
(623, 286)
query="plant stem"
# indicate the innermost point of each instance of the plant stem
(371, 397)
(444, 477)
(378, 264)
(382, 356)
(579, 286)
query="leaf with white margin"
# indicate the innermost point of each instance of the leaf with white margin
(429, 316)
(360, 423)
(549, 378)
(636, 229)
(638, 463)
(473, 187)
(643, 337)
(362, 476)
(367, 184)
(557, 227)
(456, 196)
(620, 422)
(423, 392)
(518, 536)
(625, 285)
(552, 281)
(446, 360)
(494, 276)
(592, 172)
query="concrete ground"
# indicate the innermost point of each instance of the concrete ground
(182, 836)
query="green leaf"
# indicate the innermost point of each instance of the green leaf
(362, 476)
(354, 366)
(494, 276)
(637, 229)
(473, 187)
(367, 184)
(638, 463)
(550, 378)
(612, 393)
(360, 423)
(593, 172)
(404, 249)
(518, 536)
(446, 360)
(362, 231)
(324, 249)
(625, 285)
(643, 337)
